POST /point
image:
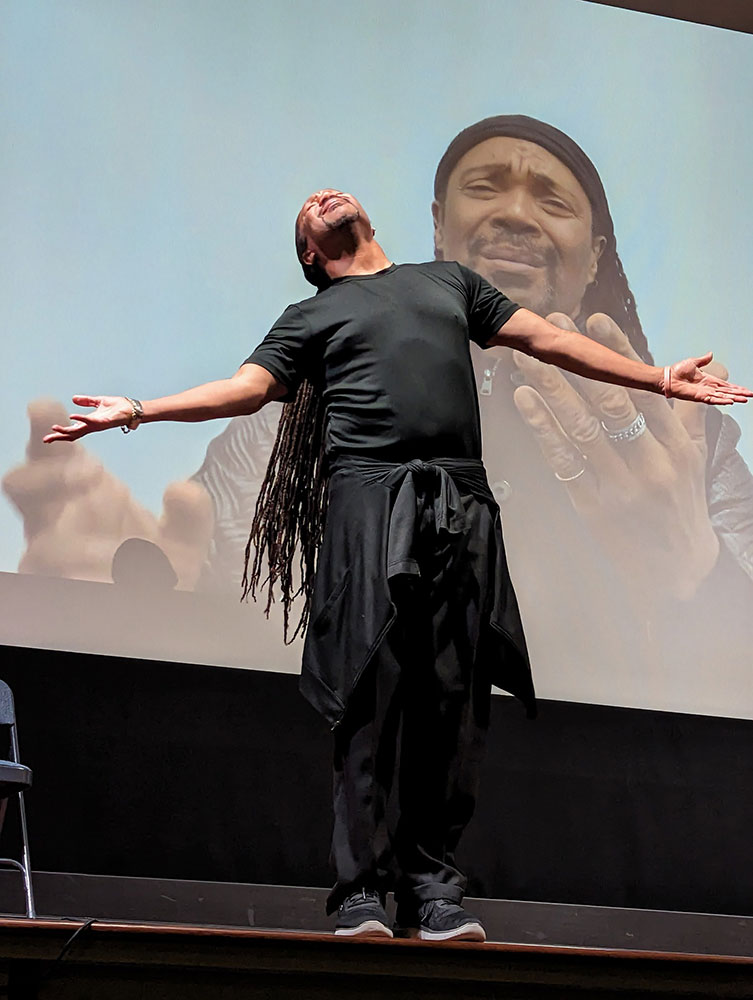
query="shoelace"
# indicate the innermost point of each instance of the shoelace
(365, 896)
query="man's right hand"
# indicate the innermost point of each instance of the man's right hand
(76, 514)
(246, 392)
(110, 411)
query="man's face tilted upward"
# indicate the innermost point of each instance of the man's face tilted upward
(517, 215)
(329, 222)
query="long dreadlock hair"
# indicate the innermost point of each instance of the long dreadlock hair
(610, 293)
(290, 510)
(292, 502)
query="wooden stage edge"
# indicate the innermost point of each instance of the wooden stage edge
(129, 900)
(91, 959)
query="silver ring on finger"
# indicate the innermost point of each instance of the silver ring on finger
(629, 433)
(569, 479)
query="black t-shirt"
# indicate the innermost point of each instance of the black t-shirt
(390, 352)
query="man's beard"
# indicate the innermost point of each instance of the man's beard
(537, 296)
(346, 219)
(541, 299)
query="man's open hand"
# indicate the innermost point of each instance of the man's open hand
(76, 514)
(107, 412)
(693, 380)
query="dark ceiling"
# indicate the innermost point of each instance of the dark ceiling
(736, 14)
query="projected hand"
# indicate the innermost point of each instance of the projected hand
(76, 513)
(109, 411)
(642, 495)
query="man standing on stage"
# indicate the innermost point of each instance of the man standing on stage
(412, 612)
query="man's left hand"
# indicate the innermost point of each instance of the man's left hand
(693, 380)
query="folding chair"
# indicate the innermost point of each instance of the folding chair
(14, 779)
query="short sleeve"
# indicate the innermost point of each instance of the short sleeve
(286, 351)
(488, 309)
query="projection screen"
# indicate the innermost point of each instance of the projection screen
(155, 157)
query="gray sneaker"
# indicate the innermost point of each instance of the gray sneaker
(439, 920)
(362, 915)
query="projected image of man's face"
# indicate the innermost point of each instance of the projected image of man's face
(517, 215)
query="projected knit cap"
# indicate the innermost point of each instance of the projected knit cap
(548, 137)
(610, 293)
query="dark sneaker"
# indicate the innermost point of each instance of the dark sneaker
(362, 915)
(439, 920)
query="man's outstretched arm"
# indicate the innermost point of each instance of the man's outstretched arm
(245, 392)
(530, 334)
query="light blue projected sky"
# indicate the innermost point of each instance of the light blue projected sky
(155, 153)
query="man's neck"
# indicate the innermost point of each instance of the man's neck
(367, 258)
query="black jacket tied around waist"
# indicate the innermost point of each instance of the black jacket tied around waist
(383, 520)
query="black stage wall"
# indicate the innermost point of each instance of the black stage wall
(178, 771)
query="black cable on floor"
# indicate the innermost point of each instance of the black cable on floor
(69, 943)
(24, 983)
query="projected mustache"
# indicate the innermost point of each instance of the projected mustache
(513, 246)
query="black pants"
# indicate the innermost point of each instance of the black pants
(408, 752)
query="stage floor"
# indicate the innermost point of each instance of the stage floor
(302, 909)
(123, 961)
(114, 938)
